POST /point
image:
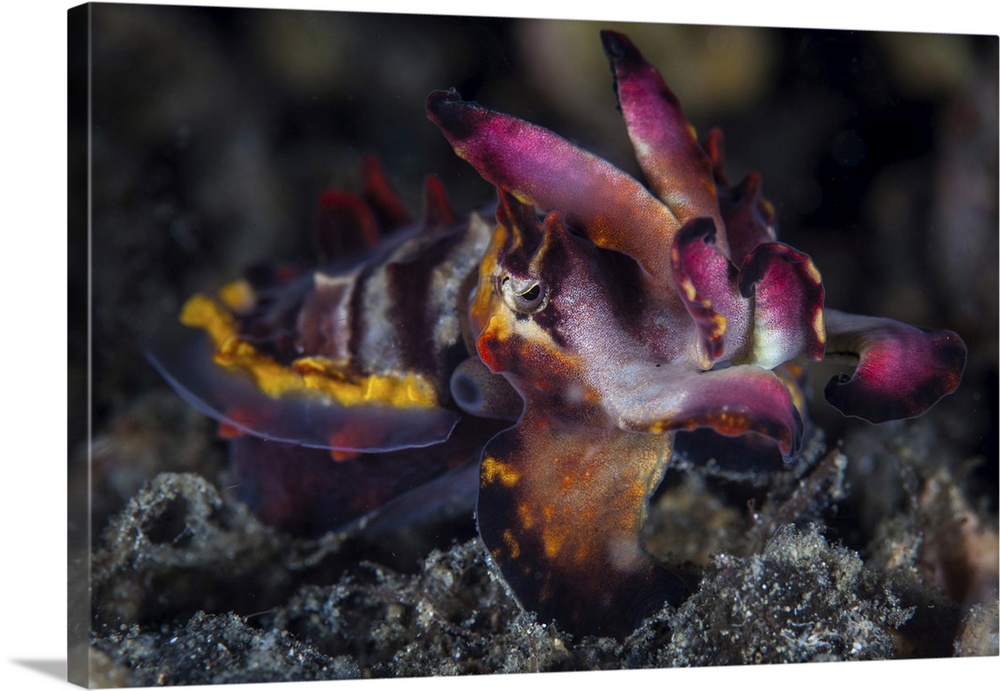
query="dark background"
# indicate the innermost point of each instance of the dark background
(214, 130)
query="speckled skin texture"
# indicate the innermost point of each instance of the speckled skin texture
(185, 194)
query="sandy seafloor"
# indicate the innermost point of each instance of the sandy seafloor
(213, 133)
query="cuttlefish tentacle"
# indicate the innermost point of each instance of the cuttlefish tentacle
(787, 293)
(561, 507)
(734, 401)
(767, 312)
(901, 370)
(749, 217)
(708, 286)
(676, 168)
(540, 168)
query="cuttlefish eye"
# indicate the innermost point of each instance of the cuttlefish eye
(525, 295)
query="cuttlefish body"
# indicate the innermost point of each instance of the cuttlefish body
(565, 350)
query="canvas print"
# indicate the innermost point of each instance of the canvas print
(428, 345)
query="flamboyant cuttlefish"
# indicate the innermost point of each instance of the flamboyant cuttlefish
(559, 350)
